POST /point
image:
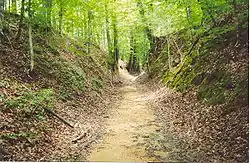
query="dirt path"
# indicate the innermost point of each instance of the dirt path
(131, 120)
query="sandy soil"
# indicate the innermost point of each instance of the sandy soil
(131, 120)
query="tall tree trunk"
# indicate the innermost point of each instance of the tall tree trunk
(147, 30)
(131, 54)
(89, 29)
(20, 21)
(30, 38)
(98, 38)
(60, 17)
(169, 56)
(133, 64)
(138, 69)
(31, 49)
(236, 20)
(188, 13)
(48, 6)
(107, 31)
(5, 5)
(85, 26)
(116, 49)
(9, 5)
(1, 17)
(50, 13)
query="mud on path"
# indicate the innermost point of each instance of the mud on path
(131, 121)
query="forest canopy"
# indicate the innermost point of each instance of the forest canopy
(122, 27)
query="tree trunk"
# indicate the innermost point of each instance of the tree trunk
(129, 66)
(48, 13)
(20, 21)
(188, 13)
(169, 57)
(116, 49)
(237, 21)
(107, 31)
(1, 17)
(147, 30)
(85, 26)
(9, 5)
(89, 29)
(31, 49)
(30, 38)
(179, 51)
(133, 65)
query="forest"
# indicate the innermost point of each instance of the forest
(124, 80)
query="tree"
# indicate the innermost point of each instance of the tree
(89, 30)
(1, 17)
(30, 37)
(21, 20)
(107, 30)
(48, 5)
(106, 23)
(147, 30)
(116, 48)
(61, 16)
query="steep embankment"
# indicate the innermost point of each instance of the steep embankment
(65, 79)
(210, 112)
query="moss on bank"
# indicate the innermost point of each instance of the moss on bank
(216, 69)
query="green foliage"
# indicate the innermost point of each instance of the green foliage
(96, 84)
(183, 80)
(31, 102)
(213, 89)
(211, 95)
(29, 135)
(64, 94)
(240, 93)
(2, 97)
(68, 76)
(134, 16)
